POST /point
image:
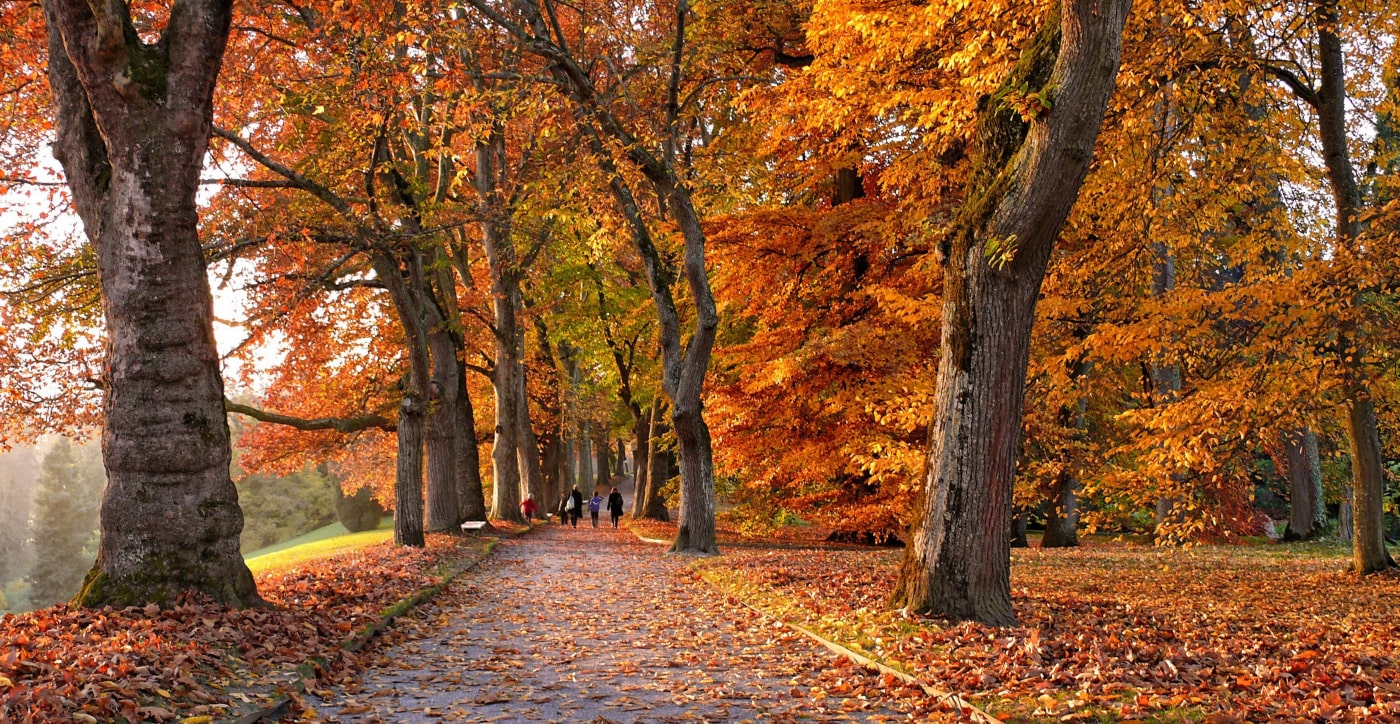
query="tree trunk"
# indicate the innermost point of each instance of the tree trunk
(505, 298)
(1367, 465)
(170, 515)
(1026, 178)
(549, 460)
(659, 462)
(471, 494)
(584, 448)
(1020, 535)
(1307, 516)
(1062, 515)
(408, 475)
(1368, 551)
(443, 508)
(531, 470)
(1346, 518)
(602, 450)
(405, 285)
(641, 436)
(1166, 388)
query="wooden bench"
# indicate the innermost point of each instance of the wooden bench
(473, 525)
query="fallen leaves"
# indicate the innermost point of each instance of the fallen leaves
(186, 662)
(1118, 632)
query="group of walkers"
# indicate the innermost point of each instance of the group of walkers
(571, 507)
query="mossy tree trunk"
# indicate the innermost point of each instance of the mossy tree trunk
(133, 124)
(1026, 178)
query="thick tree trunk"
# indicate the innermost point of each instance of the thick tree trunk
(443, 507)
(505, 460)
(1307, 515)
(1026, 179)
(405, 285)
(408, 475)
(170, 515)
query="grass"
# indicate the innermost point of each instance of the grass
(320, 543)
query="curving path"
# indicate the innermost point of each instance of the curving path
(593, 626)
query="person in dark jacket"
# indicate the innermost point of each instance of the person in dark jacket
(564, 508)
(577, 511)
(615, 506)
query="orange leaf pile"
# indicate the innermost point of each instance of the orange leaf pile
(152, 664)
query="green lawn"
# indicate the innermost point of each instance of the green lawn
(320, 543)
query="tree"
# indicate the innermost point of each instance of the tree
(133, 120)
(1028, 166)
(65, 522)
(658, 162)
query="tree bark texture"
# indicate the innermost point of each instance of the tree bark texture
(1367, 463)
(443, 507)
(1307, 514)
(404, 280)
(1026, 179)
(133, 124)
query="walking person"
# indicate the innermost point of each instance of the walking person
(615, 506)
(528, 508)
(595, 504)
(575, 506)
(565, 503)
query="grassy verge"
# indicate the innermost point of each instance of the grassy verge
(316, 549)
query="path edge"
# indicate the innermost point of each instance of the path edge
(307, 670)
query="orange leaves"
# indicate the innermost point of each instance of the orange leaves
(1125, 633)
(159, 665)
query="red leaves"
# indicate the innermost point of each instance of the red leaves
(149, 664)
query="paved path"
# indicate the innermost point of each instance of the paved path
(593, 626)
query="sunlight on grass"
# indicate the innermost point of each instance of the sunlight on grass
(316, 550)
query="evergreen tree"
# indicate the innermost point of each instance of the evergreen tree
(65, 523)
